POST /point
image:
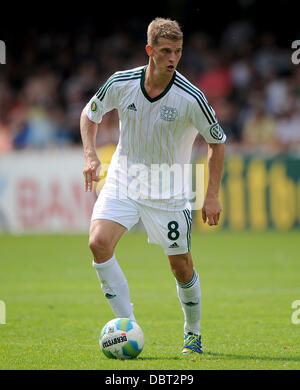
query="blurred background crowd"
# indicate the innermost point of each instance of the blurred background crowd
(245, 72)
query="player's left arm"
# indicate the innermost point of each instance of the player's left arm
(204, 119)
(211, 208)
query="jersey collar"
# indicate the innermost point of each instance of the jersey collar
(151, 100)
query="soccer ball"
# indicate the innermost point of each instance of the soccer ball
(121, 338)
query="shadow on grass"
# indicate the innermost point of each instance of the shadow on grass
(219, 355)
(159, 358)
(250, 357)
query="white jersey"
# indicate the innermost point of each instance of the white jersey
(155, 134)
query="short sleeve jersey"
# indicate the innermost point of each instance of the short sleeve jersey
(156, 134)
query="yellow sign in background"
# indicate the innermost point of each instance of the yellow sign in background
(257, 194)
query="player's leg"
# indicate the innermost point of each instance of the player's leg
(110, 219)
(188, 290)
(182, 267)
(104, 236)
(172, 230)
(189, 294)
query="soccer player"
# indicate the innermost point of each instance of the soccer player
(160, 114)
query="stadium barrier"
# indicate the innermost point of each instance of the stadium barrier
(42, 191)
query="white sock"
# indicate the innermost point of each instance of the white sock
(115, 287)
(189, 295)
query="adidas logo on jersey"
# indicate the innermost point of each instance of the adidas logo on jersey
(175, 245)
(132, 107)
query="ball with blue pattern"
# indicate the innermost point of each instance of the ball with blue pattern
(121, 338)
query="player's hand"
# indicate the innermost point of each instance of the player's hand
(91, 172)
(211, 210)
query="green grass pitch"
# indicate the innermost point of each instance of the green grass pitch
(55, 308)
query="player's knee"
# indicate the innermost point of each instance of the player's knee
(182, 267)
(183, 274)
(101, 247)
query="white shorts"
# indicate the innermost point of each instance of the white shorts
(170, 229)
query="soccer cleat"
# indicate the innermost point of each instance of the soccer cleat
(192, 344)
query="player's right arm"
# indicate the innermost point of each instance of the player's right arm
(103, 101)
(88, 130)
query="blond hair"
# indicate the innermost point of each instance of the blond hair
(163, 28)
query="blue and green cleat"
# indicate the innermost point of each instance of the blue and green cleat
(192, 344)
